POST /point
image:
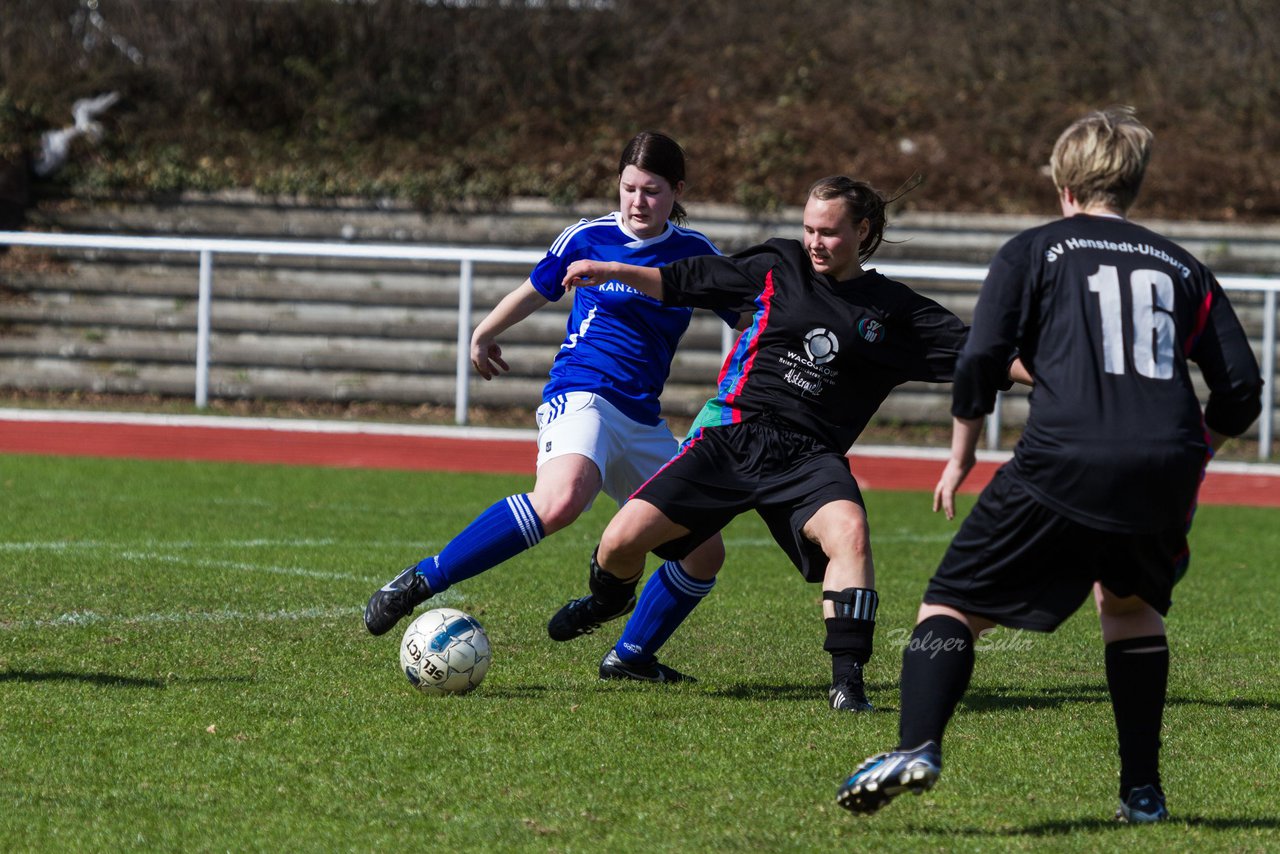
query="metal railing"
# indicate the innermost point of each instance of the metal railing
(467, 257)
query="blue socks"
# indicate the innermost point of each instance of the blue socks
(500, 533)
(668, 597)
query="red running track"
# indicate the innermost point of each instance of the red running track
(501, 451)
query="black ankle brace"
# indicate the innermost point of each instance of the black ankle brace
(859, 603)
(608, 589)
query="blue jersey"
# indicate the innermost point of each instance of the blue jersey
(618, 342)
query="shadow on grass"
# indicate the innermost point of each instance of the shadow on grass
(111, 680)
(514, 692)
(1094, 825)
(1002, 697)
(794, 692)
(987, 699)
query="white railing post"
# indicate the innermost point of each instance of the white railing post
(467, 256)
(1268, 374)
(993, 424)
(203, 313)
(465, 284)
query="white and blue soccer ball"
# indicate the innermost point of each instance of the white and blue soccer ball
(445, 651)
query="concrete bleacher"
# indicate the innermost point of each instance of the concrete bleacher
(345, 330)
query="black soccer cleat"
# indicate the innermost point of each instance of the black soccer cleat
(850, 695)
(583, 616)
(613, 667)
(394, 600)
(846, 697)
(1145, 805)
(884, 776)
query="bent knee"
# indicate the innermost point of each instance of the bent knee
(621, 546)
(1111, 605)
(849, 537)
(705, 561)
(559, 512)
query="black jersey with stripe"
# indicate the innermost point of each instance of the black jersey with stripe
(820, 355)
(1107, 314)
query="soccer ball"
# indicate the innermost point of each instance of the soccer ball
(445, 651)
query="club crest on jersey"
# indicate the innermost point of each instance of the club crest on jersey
(821, 345)
(871, 330)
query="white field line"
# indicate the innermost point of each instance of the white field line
(156, 555)
(70, 545)
(154, 551)
(301, 425)
(240, 566)
(91, 618)
(74, 619)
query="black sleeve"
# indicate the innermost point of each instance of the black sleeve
(983, 367)
(940, 336)
(718, 282)
(1229, 368)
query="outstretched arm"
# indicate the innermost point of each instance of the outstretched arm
(964, 443)
(588, 274)
(486, 355)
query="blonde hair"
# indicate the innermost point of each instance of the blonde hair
(1102, 158)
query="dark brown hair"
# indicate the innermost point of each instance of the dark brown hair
(660, 154)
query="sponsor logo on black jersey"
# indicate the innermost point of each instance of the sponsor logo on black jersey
(821, 345)
(871, 330)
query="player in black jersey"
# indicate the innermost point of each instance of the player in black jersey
(827, 342)
(1106, 315)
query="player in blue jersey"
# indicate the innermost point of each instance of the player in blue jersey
(826, 344)
(1107, 316)
(599, 427)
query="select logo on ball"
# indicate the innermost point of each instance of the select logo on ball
(445, 651)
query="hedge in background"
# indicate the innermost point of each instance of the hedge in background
(475, 101)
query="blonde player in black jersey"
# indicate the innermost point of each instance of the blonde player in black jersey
(1107, 316)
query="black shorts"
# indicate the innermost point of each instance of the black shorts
(784, 476)
(1023, 565)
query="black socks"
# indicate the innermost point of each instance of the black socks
(851, 631)
(610, 592)
(937, 664)
(1138, 678)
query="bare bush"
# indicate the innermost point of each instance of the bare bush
(451, 102)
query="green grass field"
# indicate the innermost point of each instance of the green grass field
(183, 666)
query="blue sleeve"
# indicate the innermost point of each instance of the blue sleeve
(548, 275)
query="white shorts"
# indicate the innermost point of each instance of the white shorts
(626, 453)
